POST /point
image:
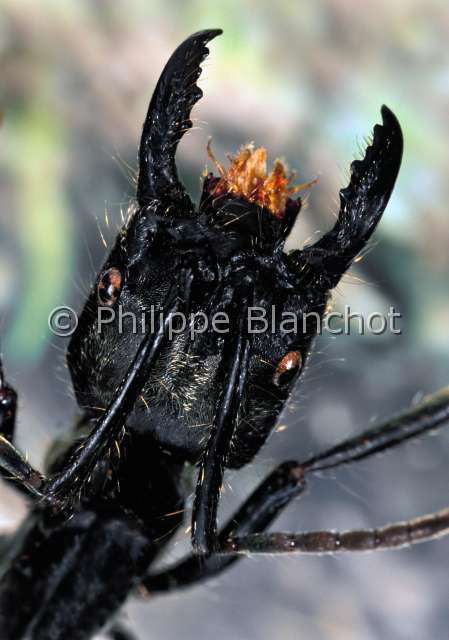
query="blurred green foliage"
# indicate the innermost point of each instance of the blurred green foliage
(46, 239)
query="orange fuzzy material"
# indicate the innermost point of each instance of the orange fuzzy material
(247, 176)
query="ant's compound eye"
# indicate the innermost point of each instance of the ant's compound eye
(109, 287)
(287, 368)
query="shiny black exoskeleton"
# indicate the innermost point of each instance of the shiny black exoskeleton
(154, 401)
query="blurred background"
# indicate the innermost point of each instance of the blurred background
(307, 81)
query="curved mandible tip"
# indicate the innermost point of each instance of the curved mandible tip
(364, 200)
(362, 204)
(167, 120)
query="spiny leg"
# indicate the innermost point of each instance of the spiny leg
(210, 474)
(392, 536)
(429, 415)
(287, 481)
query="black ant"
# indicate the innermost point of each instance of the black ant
(206, 398)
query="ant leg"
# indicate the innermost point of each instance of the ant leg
(8, 406)
(70, 479)
(68, 482)
(265, 503)
(210, 474)
(392, 536)
(276, 492)
(430, 414)
(13, 466)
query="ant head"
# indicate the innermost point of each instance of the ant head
(227, 265)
